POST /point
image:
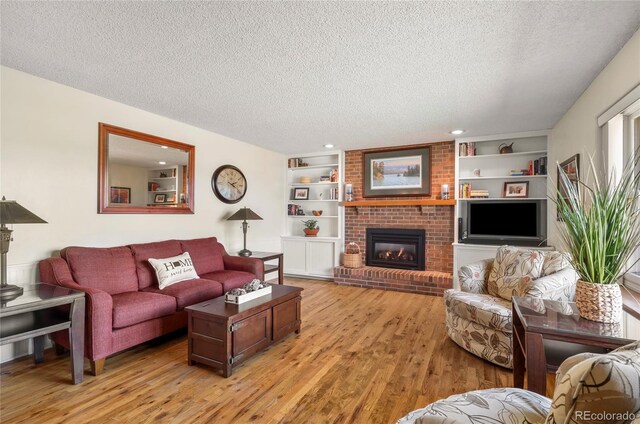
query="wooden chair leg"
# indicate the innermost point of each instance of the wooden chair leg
(97, 366)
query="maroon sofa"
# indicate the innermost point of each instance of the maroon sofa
(125, 306)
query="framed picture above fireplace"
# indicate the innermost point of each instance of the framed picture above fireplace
(397, 172)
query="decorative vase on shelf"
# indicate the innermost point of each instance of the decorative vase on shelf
(599, 302)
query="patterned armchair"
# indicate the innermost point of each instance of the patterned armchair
(478, 316)
(590, 388)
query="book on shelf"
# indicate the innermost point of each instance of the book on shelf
(538, 166)
(333, 193)
(467, 149)
(465, 191)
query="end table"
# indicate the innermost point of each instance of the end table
(43, 309)
(268, 268)
(538, 320)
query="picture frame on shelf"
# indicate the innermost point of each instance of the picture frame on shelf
(397, 172)
(571, 167)
(301, 193)
(160, 198)
(516, 189)
(120, 195)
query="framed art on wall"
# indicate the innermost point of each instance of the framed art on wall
(120, 195)
(571, 168)
(397, 172)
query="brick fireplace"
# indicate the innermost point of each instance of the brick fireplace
(437, 221)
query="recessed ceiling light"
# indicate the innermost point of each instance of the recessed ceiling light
(457, 132)
(329, 146)
(161, 162)
(164, 147)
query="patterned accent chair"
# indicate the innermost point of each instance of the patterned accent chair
(590, 388)
(478, 316)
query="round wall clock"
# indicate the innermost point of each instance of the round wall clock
(229, 184)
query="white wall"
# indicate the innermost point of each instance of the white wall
(132, 177)
(577, 131)
(49, 157)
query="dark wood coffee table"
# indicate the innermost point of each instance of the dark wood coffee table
(223, 335)
(546, 332)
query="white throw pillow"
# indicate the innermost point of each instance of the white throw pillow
(173, 270)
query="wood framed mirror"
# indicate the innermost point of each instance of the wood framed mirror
(142, 173)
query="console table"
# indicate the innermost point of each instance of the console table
(538, 320)
(43, 309)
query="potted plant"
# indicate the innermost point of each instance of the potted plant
(311, 228)
(600, 229)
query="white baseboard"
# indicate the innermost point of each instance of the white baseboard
(21, 275)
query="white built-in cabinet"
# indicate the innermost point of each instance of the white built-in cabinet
(165, 183)
(314, 256)
(494, 172)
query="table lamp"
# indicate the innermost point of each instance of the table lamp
(244, 215)
(11, 213)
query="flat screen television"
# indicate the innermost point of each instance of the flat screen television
(517, 222)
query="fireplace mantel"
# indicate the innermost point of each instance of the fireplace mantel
(409, 202)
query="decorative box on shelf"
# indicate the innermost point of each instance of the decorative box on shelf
(242, 298)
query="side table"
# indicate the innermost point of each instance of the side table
(43, 309)
(538, 320)
(268, 268)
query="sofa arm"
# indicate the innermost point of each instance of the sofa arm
(98, 312)
(55, 271)
(557, 286)
(239, 263)
(473, 277)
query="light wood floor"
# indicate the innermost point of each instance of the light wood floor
(363, 356)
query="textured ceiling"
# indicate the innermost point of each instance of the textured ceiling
(292, 76)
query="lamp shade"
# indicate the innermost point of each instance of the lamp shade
(13, 213)
(244, 214)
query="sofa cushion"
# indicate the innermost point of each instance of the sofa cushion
(206, 254)
(134, 307)
(111, 269)
(554, 262)
(190, 292)
(512, 267)
(144, 251)
(230, 279)
(600, 384)
(489, 311)
(172, 270)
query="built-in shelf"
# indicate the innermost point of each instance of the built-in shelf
(485, 199)
(506, 155)
(328, 165)
(312, 184)
(408, 202)
(314, 257)
(312, 216)
(311, 200)
(503, 177)
(318, 238)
